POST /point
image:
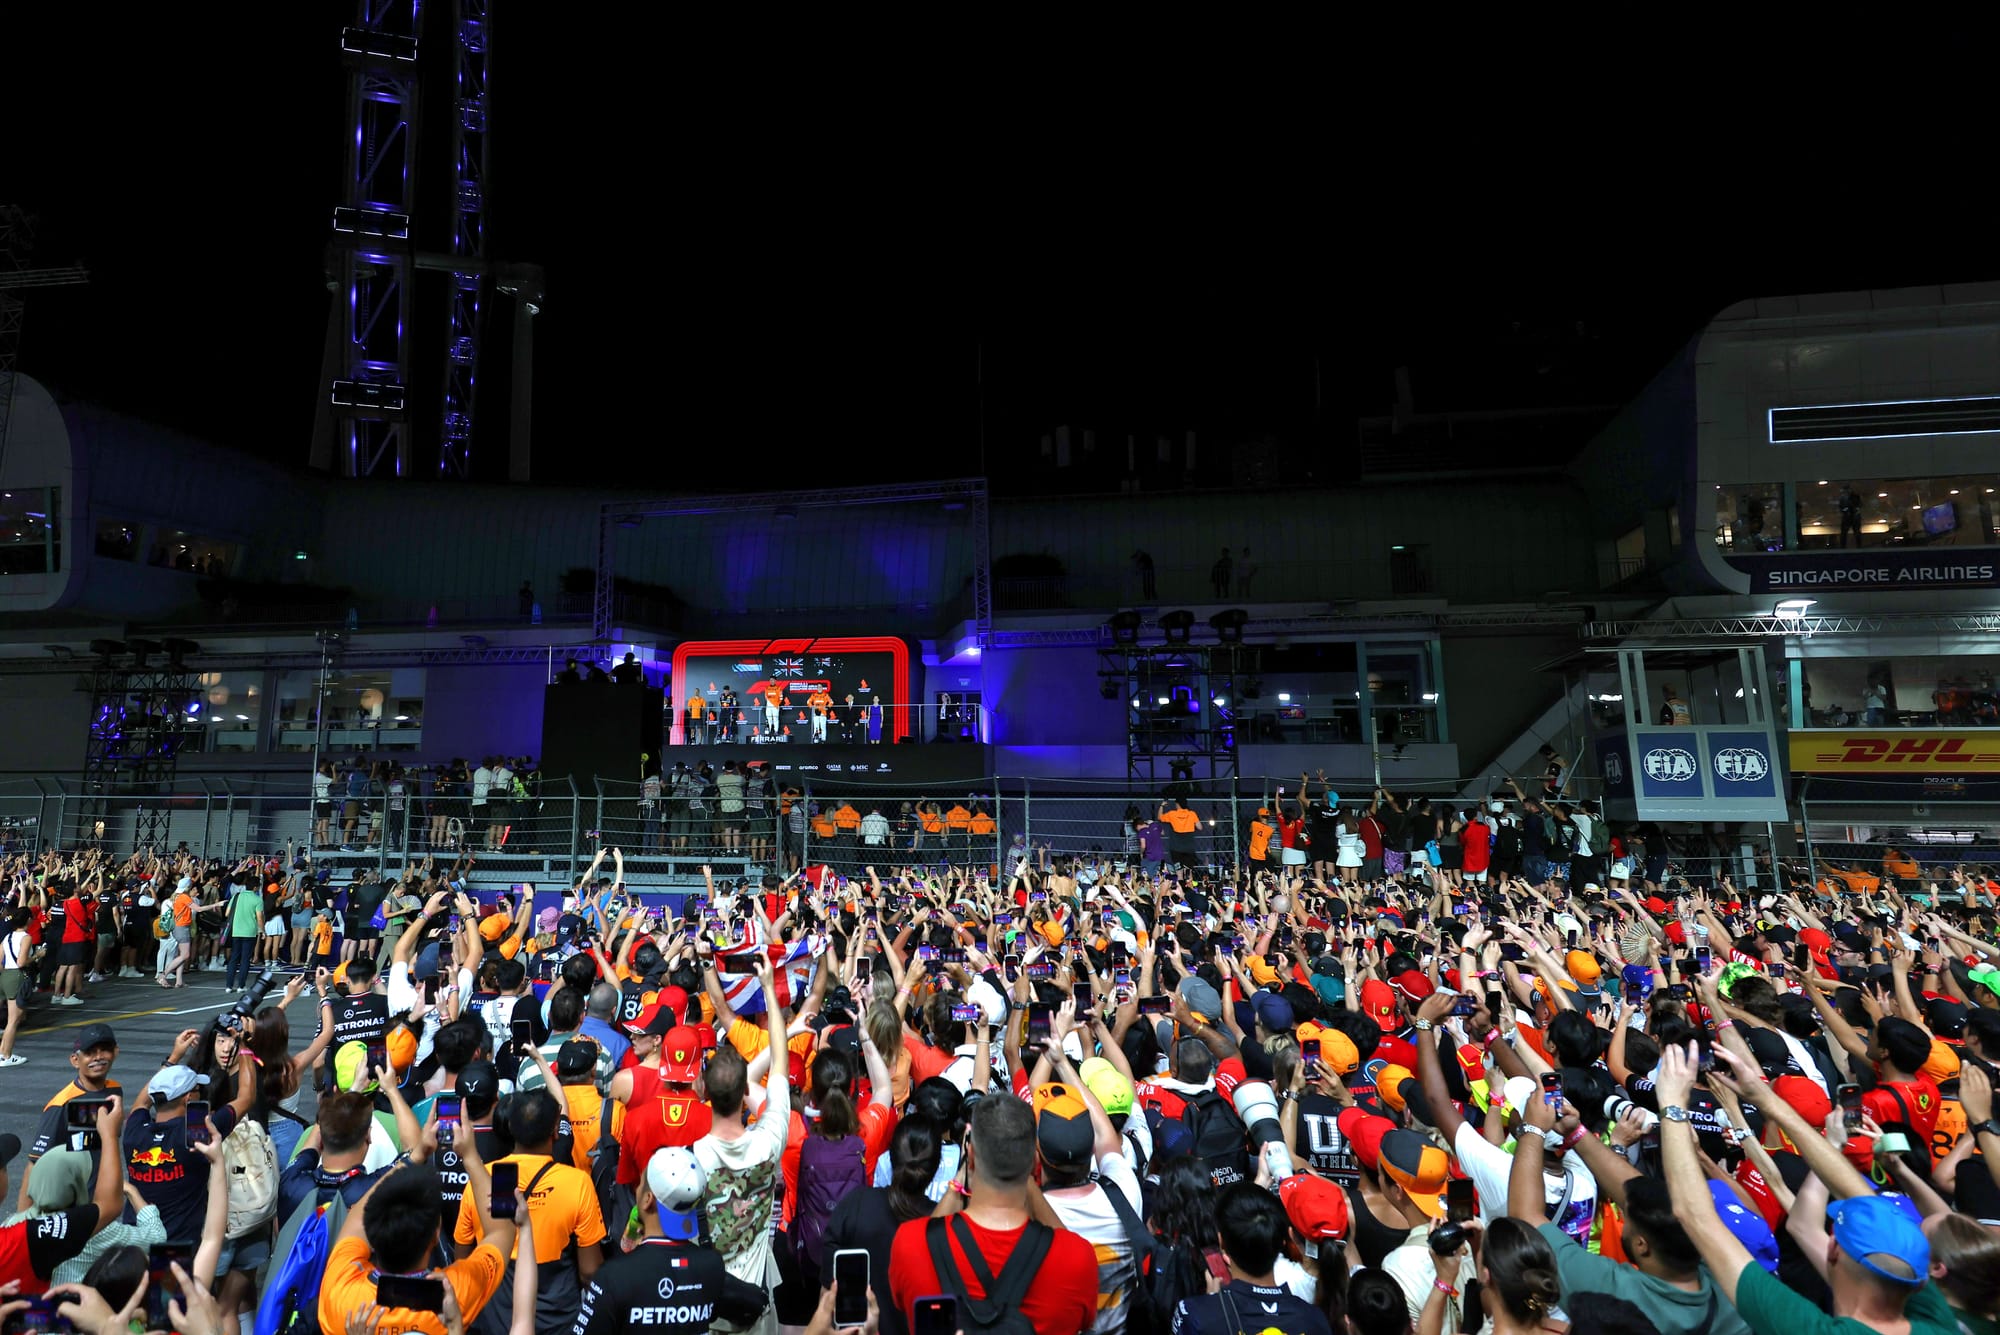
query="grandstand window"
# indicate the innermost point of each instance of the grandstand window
(1907, 691)
(371, 709)
(1897, 512)
(175, 549)
(117, 540)
(31, 531)
(232, 710)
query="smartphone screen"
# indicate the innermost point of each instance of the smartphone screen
(506, 1177)
(1309, 1052)
(378, 1058)
(161, 1284)
(197, 1121)
(1158, 1006)
(1570, 936)
(1701, 960)
(1039, 1015)
(971, 1014)
(1461, 1201)
(417, 1293)
(39, 1317)
(1465, 1005)
(1850, 1098)
(850, 1287)
(932, 1316)
(1082, 994)
(524, 1036)
(1552, 1090)
(1635, 993)
(1216, 1265)
(81, 1114)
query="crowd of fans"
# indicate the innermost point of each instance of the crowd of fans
(1061, 1098)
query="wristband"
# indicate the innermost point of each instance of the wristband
(1721, 1025)
(1571, 1139)
(1444, 1288)
(1491, 1034)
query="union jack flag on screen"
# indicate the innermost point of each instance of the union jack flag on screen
(792, 964)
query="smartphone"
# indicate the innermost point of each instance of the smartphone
(446, 1107)
(1160, 1006)
(1702, 959)
(1777, 968)
(506, 1177)
(524, 1036)
(696, 906)
(1465, 1005)
(1570, 936)
(1849, 1098)
(162, 1285)
(197, 1121)
(1122, 980)
(1460, 910)
(969, 1014)
(417, 1293)
(1309, 1052)
(1678, 991)
(932, 1316)
(1552, 1089)
(1037, 896)
(378, 1058)
(1635, 993)
(1706, 1062)
(80, 1114)
(1216, 1265)
(850, 1287)
(41, 1315)
(1039, 1015)
(1461, 1201)
(1084, 998)
(1041, 969)
(999, 920)
(927, 953)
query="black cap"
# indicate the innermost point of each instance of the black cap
(479, 1083)
(10, 1145)
(576, 1057)
(94, 1036)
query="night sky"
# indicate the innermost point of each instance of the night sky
(756, 281)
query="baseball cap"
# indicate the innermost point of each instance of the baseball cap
(1411, 984)
(174, 1081)
(1943, 1063)
(679, 1183)
(1747, 1226)
(1062, 1125)
(401, 1046)
(495, 925)
(1806, 1098)
(1316, 1207)
(680, 1054)
(1261, 972)
(94, 1036)
(1337, 1052)
(576, 1057)
(675, 1001)
(1418, 1167)
(654, 1019)
(1880, 1235)
(1583, 966)
(478, 1082)
(1273, 1011)
(1109, 1084)
(1363, 1132)
(1331, 990)
(1389, 1084)
(1378, 1000)
(1201, 998)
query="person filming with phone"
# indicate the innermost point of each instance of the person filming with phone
(31, 1247)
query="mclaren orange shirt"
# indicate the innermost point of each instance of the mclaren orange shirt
(774, 696)
(846, 817)
(982, 823)
(1260, 839)
(958, 819)
(349, 1286)
(1183, 821)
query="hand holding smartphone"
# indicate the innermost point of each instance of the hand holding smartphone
(506, 1180)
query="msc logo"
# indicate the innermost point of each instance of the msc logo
(1740, 764)
(1614, 768)
(1668, 764)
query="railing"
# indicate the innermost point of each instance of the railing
(668, 835)
(754, 722)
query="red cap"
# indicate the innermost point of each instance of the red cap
(1363, 1132)
(1397, 1051)
(651, 1020)
(1450, 977)
(1316, 1207)
(680, 1056)
(1378, 1000)
(1806, 1098)
(675, 1000)
(1657, 905)
(1677, 932)
(1414, 985)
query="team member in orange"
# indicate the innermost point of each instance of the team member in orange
(1261, 832)
(847, 824)
(982, 830)
(821, 703)
(958, 832)
(1181, 824)
(774, 696)
(697, 707)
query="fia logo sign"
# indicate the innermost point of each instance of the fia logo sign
(1740, 764)
(1668, 764)
(1614, 768)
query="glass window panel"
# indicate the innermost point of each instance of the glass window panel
(1913, 691)
(1889, 512)
(1749, 517)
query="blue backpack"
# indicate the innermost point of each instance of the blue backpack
(290, 1301)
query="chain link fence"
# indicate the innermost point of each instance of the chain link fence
(668, 831)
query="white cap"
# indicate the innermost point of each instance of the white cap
(676, 1178)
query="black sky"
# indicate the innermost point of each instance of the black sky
(758, 280)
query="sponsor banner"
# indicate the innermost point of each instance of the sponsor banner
(1875, 568)
(1614, 763)
(1704, 772)
(1897, 751)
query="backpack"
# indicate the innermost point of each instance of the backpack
(604, 1178)
(251, 1161)
(829, 1171)
(1219, 1137)
(1507, 843)
(1207, 1128)
(999, 1312)
(290, 1301)
(1161, 1277)
(162, 926)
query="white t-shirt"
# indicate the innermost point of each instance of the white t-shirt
(1489, 1167)
(482, 781)
(1089, 1213)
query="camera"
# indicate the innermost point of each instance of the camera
(1447, 1238)
(254, 995)
(1615, 1106)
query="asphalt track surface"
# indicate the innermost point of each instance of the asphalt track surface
(145, 1016)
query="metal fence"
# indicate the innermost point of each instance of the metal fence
(667, 838)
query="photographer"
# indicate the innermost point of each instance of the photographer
(31, 1249)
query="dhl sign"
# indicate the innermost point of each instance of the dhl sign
(1896, 751)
